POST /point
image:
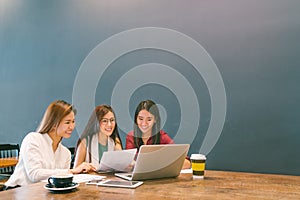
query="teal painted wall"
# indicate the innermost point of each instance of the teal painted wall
(255, 45)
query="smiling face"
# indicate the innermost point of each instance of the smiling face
(107, 124)
(66, 126)
(145, 121)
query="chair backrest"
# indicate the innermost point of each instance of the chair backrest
(7, 151)
(72, 150)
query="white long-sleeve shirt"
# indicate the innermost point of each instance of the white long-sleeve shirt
(37, 161)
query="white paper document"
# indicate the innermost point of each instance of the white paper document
(80, 178)
(186, 171)
(117, 160)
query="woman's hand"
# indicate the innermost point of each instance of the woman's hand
(83, 167)
(187, 164)
(130, 167)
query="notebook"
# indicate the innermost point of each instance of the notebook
(117, 160)
(157, 161)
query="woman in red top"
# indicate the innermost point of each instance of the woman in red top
(146, 130)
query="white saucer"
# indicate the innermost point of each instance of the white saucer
(53, 188)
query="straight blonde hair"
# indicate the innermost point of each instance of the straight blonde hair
(53, 115)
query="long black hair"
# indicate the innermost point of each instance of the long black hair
(151, 107)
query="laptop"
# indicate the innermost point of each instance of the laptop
(157, 161)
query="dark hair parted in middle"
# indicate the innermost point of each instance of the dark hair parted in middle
(151, 107)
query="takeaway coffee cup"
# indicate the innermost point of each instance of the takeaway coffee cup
(198, 165)
(61, 180)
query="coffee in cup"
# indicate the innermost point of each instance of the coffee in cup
(61, 180)
(198, 165)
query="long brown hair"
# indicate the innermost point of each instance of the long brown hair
(93, 126)
(53, 115)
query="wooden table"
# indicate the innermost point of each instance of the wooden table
(216, 185)
(8, 162)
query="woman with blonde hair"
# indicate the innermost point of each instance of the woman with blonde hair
(41, 152)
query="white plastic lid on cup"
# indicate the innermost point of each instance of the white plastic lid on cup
(198, 157)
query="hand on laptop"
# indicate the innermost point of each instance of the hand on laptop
(186, 164)
(130, 167)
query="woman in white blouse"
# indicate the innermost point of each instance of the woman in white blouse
(42, 154)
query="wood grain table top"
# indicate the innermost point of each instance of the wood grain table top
(215, 185)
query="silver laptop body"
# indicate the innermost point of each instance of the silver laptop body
(158, 161)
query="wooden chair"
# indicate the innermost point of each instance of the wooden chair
(8, 151)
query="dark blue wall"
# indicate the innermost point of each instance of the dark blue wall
(255, 45)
